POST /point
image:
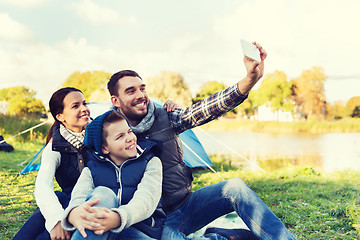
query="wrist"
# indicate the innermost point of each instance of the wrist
(246, 84)
(115, 219)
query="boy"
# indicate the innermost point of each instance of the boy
(123, 179)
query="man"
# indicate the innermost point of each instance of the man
(189, 211)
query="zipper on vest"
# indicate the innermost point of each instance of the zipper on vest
(119, 182)
(152, 222)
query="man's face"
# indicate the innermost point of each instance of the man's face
(132, 99)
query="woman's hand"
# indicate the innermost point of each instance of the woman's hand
(170, 106)
(58, 233)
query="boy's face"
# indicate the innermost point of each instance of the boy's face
(120, 142)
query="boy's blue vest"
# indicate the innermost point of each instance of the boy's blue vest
(73, 161)
(104, 173)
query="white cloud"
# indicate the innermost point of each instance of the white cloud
(13, 30)
(299, 34)
(184, 42)
(98, 15)
(24, 3)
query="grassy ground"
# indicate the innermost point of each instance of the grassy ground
(312, 204)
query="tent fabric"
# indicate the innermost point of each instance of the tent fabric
(194, 157)
(34, 163)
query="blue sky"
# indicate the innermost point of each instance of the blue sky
(42, 42)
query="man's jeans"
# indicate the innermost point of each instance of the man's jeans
(109, 200)
(211, 202)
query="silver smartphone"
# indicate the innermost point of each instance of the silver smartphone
(250, 50)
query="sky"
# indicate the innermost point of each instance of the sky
(42, 42)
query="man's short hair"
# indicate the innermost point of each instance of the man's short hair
(112, 84)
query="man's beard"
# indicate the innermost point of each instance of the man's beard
(131, 114)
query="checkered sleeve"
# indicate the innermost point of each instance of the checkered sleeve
(207, 109)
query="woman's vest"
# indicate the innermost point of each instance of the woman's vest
(73, 161)
(124, 183)
(177, 177)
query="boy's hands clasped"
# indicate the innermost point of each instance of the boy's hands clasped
(97, 219)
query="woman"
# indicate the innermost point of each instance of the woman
(64, 157)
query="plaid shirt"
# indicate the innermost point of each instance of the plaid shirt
(206, 110)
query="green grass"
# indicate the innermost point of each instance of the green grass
(16, 191)
(12, 125)
(311, 203)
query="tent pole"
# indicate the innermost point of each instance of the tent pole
(202, 160)
(237, 153)
(27, 130)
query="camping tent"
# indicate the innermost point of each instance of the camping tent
(194, 153)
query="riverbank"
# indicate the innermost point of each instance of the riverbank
(231, 124)
(312, 204)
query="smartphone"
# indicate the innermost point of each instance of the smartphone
(250, 50)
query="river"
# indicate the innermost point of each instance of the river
(327, 151)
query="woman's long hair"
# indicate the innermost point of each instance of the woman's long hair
(56, 105)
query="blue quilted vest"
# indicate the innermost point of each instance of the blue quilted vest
(124, 181)
(73, 161)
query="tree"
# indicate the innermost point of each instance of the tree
(309, 92)
(356, 112)
(169, 85)
(335, 111)
(208, 89)
(247, 107)
(92, 84)
(352, 104)
(21, 100)
(276, 91)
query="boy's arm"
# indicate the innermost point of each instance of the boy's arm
(83, 187)
(145, 199)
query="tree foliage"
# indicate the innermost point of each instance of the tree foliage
(169, 85)
(92, 84)
(276, 91)
(208, 89)
(21, 100)
(247, 107)
(335, 111)
(356, 112)
(309, 91)
(352, 104)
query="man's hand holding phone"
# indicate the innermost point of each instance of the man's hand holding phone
(250, 50)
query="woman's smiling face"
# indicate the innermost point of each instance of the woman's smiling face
(76, 114)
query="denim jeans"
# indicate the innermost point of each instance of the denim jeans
(109, 200)
(34, 227)
(211, 202)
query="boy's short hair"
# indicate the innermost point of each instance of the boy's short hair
(94, 134)
(114, 116)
